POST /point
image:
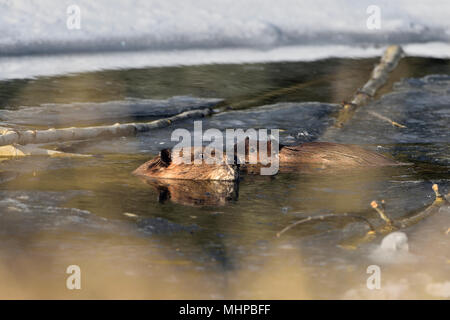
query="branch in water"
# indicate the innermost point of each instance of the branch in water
(391, 224)
(379, 116)
(381, 212)
(379, 76)
(430, 210)
(327, 216)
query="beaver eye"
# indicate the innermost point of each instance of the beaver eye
(252, 150)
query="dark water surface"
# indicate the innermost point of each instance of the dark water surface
(135, 239)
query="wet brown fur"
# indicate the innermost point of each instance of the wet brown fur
(163, 167)
(323, 154)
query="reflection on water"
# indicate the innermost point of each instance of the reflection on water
(194, 193)
(137, 238)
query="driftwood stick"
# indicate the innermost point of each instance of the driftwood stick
(11, 137)
(379, 76)
(326, 216)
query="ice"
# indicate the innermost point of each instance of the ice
(394, 248)
(422, 105)
(86, 113)
(28, 212)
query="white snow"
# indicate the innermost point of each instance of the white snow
(174, 32)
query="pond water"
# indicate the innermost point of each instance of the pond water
(133, 239)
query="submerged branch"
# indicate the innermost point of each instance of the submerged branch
(326, 216)
(390, 225)
(433, 208)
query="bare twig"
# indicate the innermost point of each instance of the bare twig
(381, 212)
(381, 117)
(435, 188)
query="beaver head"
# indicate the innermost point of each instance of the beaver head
(164, 167)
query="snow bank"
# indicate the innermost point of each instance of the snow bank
(41, 25)
(186, 32)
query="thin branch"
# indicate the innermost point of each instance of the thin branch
(381, 117)
(326, 216)
(439, 201)
(381, 212)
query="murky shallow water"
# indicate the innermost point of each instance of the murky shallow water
(136, 240)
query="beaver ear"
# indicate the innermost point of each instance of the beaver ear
(166, 156)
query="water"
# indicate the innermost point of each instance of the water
(136, 240)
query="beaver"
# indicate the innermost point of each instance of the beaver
(164, 167)
(333, 154)
(296, 157)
